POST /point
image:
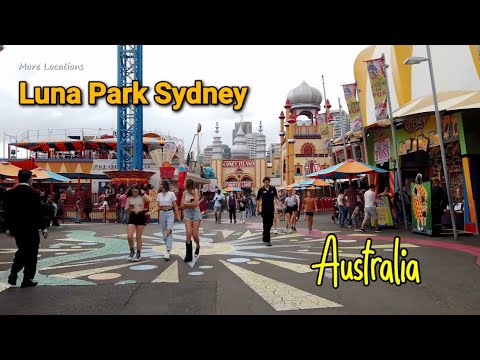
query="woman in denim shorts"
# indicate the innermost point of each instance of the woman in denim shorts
(192, 217)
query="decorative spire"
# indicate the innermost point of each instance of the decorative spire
(260, 129)
(216, 128)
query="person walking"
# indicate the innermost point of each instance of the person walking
(290, 215)
(87, 209)
(296, 210)
(351, 196)
(219, 200)
(104, 208)
(123, 213)
(167, 204)
(341, 208)
(232, 208)
(276, 214)
(266, 207)
(192, 218)
(310, 208)
(23, 215)
(370, 209)
(241, 202)
(78, 211)
(254, 205)
(136, 220)
(118, 209)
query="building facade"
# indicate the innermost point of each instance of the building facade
(457, 79)
(301, 142)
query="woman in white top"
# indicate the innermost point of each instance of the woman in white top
(135, 205)
(192, 218)
(167, 204)
(290, 203)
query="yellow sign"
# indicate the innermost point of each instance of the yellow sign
(384, 212)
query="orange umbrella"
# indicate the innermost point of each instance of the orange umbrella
(9, 170)
(346, 170)
(313, 182)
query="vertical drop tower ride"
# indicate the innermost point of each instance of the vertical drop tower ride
(129, 120)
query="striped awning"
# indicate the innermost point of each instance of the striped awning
(447, 101)
(45, 146)
(71, 145)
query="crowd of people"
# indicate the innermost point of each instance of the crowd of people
(28, 213)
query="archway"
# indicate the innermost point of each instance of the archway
(231, 180)
(246, 184)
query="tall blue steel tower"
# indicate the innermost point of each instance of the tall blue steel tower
(129, 117)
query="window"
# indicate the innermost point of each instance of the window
(299, 171)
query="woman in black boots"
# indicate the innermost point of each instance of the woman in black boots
(192, 218)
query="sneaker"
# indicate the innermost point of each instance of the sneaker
(137, 257)
(268, 244)
(244, 221)
(131, 256)
(362, 230)
(166, 256)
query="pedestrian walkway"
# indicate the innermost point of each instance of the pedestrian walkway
(236, 273)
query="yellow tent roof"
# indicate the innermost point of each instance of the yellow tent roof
(447, 101)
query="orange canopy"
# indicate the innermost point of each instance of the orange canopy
(9, 170)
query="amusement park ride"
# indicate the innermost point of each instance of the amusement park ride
(130, 137)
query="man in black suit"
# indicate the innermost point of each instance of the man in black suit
(266, 196)
(23, 214)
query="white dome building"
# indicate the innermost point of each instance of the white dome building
(305, 96)
(240, 149)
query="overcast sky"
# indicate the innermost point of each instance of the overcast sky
(269, 71)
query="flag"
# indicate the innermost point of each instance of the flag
(322, 125)
(378, 82)
(327, 145)
(350, 92)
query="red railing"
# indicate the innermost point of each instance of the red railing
(325, 204)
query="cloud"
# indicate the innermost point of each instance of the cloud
(269, 71)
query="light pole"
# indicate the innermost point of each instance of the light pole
(417, 60)
(395, 150)
(199, 129)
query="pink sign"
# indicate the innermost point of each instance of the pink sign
(382, 151)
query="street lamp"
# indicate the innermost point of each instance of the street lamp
(197, 135)
(417, 60)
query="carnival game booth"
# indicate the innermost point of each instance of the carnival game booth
(351, 170)
(418, 144)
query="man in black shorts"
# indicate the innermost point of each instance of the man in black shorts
(266, 204)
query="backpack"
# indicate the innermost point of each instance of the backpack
(232, 202)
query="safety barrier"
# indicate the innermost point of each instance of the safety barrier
(325, 204)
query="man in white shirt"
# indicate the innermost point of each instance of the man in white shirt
(219, 199)
(370, 209)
